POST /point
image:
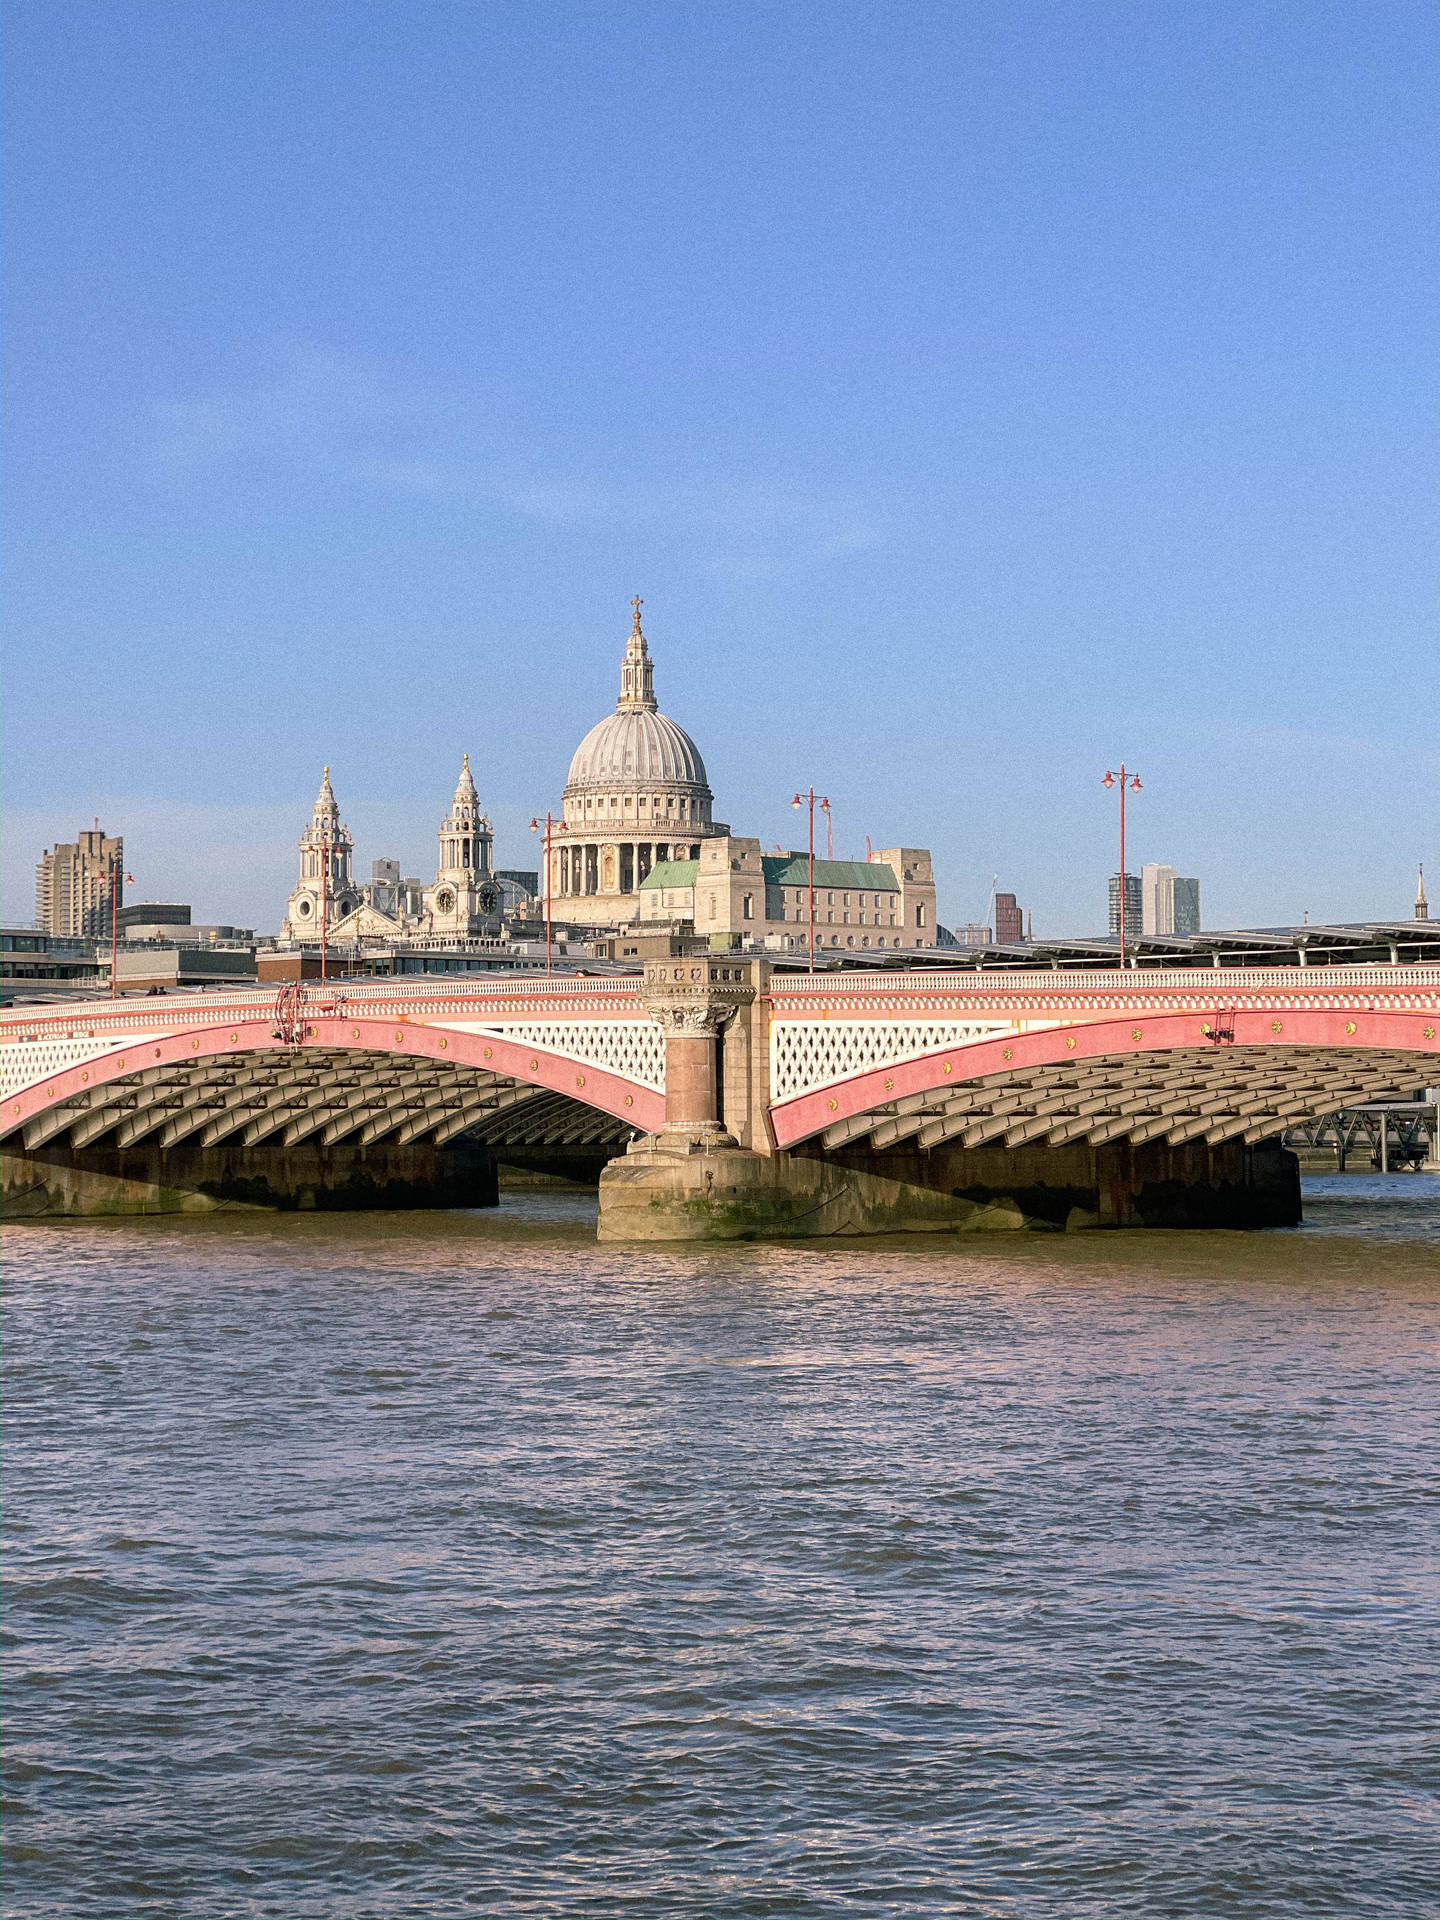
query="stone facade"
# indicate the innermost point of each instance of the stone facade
(325, 892)
(734, 892)
(462, 903)
(464, 900)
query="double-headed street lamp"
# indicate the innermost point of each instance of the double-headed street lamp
(552, 827)
(1121, 779)
(811, 800)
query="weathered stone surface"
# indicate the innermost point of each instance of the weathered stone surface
(674, 1190)
(58, 1181)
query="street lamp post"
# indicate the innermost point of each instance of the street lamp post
(552, 827)
(115, 921)
(324, 904)
(1112, 779)
(809, 800)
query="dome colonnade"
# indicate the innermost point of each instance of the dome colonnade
(637, 795)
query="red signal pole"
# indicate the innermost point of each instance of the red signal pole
(808, 799)
(115, 922)
(552, 827)
(1110, 780)
(324, 902)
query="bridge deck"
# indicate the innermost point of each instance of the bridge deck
(927, 1056)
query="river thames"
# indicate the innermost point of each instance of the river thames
(438, 1563)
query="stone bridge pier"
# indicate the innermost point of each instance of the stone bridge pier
(715, 1171)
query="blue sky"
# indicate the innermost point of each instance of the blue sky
(976, 393)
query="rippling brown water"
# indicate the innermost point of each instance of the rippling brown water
(436, 1564)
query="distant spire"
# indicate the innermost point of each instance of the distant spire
(465, 786)
(637, 671)
(1422, 908)
(325, 803)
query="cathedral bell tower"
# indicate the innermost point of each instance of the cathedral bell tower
(325, 891)
(464, 900)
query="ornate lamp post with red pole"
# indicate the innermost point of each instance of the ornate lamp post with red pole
(115, 921)
(325, 845)
(809, 799)
(1110, 780)
(552, 827)
(328, 841)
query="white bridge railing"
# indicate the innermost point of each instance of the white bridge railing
(1188, 986)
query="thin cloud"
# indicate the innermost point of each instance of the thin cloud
(359, 423)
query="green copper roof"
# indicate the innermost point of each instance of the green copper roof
(789, 870)
(793, 870)
(671, 873)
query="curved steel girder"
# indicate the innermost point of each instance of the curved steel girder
(356, 1037)
(1180, 1094)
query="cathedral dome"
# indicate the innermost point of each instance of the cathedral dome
(636, 747)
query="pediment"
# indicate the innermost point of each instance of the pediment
(366, 923)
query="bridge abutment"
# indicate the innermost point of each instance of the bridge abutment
(79, 1182)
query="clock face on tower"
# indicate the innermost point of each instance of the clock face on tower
(445, 900)
(489, 898)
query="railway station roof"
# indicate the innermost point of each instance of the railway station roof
(1387, 941)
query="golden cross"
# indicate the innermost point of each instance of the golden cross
(637, 603)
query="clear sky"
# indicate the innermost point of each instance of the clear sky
(976, 393)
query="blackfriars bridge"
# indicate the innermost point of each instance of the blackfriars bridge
(721, 1094)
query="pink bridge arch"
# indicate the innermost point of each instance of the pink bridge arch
(626, 1100)
(804, 1115)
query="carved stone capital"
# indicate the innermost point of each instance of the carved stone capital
(688, 1017)
(696, 997)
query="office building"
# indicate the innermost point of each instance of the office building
(1157, 899)
(73, 884)
(1132, 904)
(1169, 904)
(1009, 920)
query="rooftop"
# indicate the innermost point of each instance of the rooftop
(1386, 941)
(671, 873)
(793, 870)
(789, 870)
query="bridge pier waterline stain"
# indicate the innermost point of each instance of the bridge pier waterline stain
(730, 1195)
(720, 1096)
(59, 1181)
